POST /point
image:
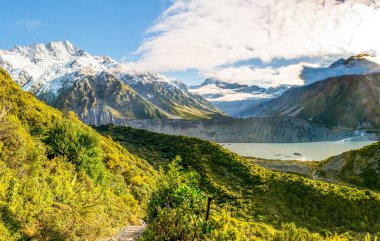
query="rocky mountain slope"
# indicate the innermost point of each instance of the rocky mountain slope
(235, 130)
(100, 98)
(170, 95)
(344, 101)
(58, 72)
(234, 98)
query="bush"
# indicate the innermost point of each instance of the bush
(252, 193)
(81, 147)
(176, 210)
(55, 179)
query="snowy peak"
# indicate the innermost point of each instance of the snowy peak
(133, 78)
(48, 70)
(235, 98)
(361, 60)
(354, 65)
(217, 90)
(146, 77)
(222, 84)
(39, 64)
(56, 50)
(35, 67)
(61, 48)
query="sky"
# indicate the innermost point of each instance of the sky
(246, 41)
(102, 27)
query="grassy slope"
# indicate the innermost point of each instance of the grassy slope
(357, 167)
(255, 193)
(304, 168)
(60, 179)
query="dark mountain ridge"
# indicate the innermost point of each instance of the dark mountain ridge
(349, 101)
(249, 130)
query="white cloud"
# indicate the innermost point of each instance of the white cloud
(205, 35)
(266, 77)
(29, 25)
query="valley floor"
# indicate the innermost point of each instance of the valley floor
(317, 170)
(304, 168)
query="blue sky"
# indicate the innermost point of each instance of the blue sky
(246, 41)
(114, 28)
(101, 27)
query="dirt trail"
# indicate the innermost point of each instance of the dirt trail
(129, 233)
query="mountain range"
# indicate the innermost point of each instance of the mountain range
(241, 100)
(235, 98)
(63, 180)
(325, 109)
(348, 98)
(99, 89)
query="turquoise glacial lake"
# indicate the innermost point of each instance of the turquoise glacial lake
(309, 151)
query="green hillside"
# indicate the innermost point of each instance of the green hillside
(59, 179)
(357, 167)
(254, 194)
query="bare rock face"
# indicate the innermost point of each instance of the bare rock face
(232, 130)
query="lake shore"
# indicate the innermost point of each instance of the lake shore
(309, 151)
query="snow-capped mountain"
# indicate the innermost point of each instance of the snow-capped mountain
(348, 97)
(59, 72)
(354, 65)
(168, 94)
(240, 100)
(234, 98)
(44, 68)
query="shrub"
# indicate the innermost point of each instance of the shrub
(176, 210)
(81, 147)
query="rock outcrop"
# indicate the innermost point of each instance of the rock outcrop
(235, 130)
